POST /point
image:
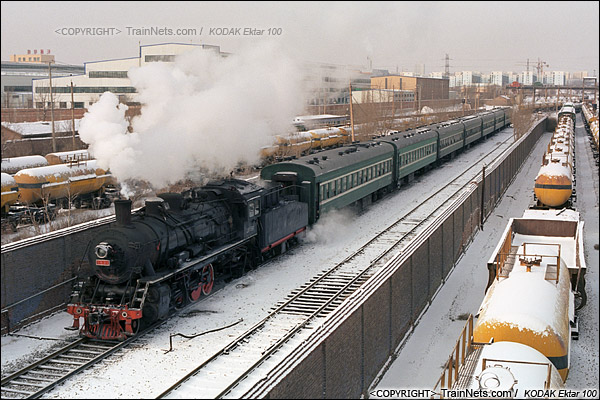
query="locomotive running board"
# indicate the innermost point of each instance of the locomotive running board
(192, 263)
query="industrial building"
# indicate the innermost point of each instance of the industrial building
(107, 76)
(17, 78)
(424, 88)
(382, 96)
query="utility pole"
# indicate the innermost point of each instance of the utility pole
(447, 67)
(351, 113)
(52, 108)
(72, 116)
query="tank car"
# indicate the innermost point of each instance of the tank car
(170, 252)
(591, 120)
(554, 182)
(527, 319)
(10, 193)
(568, 109)
(537, 281)
(15, 164)
(63, 182)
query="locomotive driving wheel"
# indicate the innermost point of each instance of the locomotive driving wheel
(208, 279)
(205, 283)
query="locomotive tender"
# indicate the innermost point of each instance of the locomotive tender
(169, 252)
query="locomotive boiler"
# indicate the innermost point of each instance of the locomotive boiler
(170, 252)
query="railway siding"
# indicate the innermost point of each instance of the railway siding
(377, 320)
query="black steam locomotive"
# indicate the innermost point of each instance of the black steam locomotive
(167, 254)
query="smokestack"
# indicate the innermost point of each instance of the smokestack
(153, 206)
(123, 212)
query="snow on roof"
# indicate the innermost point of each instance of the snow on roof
(15, 164)
(41, 127)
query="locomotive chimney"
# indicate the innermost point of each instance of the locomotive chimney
(153, 206)
(123, 212)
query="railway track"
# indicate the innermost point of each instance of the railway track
(228, 371)
(42, 376)
(36, 379)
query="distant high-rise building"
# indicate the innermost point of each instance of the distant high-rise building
(499, 78)
(528, 77)
(559, 78)
(469, 78)
(420, 70)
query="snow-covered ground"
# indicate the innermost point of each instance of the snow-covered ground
(421, 357)
(145, 370)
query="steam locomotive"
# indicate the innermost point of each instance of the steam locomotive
(167, 254)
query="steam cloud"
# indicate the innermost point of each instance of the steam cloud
(202, 112)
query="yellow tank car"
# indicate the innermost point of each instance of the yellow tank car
(531, 303)
(553, 185)
(10, 193)
(62, 181)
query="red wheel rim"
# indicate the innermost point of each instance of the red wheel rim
(208, 276)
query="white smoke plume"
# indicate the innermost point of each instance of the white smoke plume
(201, 113)
(331, 227)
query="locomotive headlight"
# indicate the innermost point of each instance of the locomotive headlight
(103, 250)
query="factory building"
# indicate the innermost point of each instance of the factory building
(426, 88)
(382, 96)
(17, 79)
(106, 75)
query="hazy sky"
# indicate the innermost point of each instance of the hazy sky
(481, 36)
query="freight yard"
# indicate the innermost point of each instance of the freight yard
(267, 216)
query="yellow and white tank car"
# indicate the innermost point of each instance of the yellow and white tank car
(299, 143)
(61, 182)
(525, 323)
(10, 192)
(554, 182)
(591, 120)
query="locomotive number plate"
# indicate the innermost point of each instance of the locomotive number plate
(104, 263)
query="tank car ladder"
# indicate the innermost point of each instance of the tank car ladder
(139, 295)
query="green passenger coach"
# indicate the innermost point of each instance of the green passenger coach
(337, 177)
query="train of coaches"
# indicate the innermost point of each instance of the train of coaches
(169, 253)
(522, 337)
